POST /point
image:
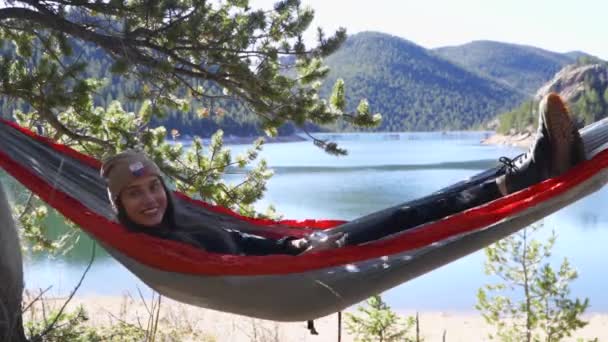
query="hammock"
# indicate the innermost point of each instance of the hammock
(284, 287)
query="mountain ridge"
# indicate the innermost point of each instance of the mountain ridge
(521, 66)
(412, 87)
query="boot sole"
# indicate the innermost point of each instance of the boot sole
(559, 130)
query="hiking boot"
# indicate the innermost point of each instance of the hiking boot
(558, 147)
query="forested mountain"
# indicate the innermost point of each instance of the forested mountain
(202, 119)
(522, 67)
(412, 87)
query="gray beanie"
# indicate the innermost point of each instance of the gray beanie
(125, 167)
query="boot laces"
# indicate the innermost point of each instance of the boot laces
(510, 164)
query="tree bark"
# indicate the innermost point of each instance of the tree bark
(11, 276)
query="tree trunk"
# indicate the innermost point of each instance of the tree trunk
(11, 276)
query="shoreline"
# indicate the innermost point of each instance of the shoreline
(297, 137)
(521, 140)
(235, 140)
(238, 140)
(196, 324)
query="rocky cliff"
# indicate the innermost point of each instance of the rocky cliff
(573, 81)
(583, 87)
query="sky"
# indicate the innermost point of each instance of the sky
(557, 25)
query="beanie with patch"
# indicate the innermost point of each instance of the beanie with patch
(122, 169)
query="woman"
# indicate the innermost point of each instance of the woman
(143, 202)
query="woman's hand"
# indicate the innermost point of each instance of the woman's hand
(301, 243)
(324, 241)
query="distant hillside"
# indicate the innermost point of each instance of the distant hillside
(412, 87)
(583, 87)
(230, 116)
(523, 67)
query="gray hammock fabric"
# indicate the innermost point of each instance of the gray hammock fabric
(282, 287)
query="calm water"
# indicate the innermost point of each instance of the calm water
(381, 170)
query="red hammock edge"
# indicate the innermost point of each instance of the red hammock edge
(178, 257)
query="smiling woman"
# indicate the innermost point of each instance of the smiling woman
(145, 201)
(144, 204)
(136, 189)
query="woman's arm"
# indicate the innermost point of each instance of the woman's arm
(257, 245)
(250, 244)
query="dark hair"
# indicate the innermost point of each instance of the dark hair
(168, 218)
(208, 237)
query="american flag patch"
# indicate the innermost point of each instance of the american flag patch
(137, 169)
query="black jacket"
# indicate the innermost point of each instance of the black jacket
(214, 233)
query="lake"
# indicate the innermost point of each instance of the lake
(381, 170)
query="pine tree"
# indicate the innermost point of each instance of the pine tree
(376, 322)
(531, 302)
(165, 53)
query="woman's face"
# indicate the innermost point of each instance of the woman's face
(145, 201)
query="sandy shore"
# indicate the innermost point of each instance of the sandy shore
(196, 324)
(523, 140)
